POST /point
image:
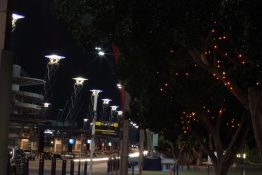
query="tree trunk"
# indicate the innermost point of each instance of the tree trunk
(199, 157)
(221, 168)
(141, 150)
(255, 108)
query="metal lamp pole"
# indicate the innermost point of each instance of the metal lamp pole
(92, 149)
(105, 104)
(79, 82)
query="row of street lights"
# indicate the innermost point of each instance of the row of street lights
(52, 66)
(79, 82)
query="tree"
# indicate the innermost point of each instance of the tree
(189, 27)
(161, 39)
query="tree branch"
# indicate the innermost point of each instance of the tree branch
(202, 61)
(237, 133)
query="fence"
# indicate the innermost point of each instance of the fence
(23, 168)
(113, 166)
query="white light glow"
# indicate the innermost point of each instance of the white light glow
(119, 113)
(113, 108)
(119, 86)
(54, 59)
(16, 17)
(79, 81)
(85, 120)
(106, 101)
(98, 48)
(48, 131)
(95, 91)
(46, 105)
(94, 159)
(135, 154)
(101, 53)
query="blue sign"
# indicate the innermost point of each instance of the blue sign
(71, 141)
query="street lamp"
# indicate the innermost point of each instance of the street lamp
(105, 104)
(54, 59)
(119, 86)
(79, 83)
(120, 113)
(52, 66)
(95, 94)
(46, 105)
(100, 52)
(16, 17)
(113, 109)
(106, 101)
(45, 109)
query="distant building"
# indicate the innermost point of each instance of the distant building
(24, 111)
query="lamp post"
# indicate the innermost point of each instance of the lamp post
(81, 147)
(113, 109)
(119, 113)
(79, 83)
(95, 93)
(15, 17)
(52, 66)
(105, 104)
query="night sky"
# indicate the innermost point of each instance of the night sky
(41, 34)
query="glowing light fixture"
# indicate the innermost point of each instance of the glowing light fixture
(120, 113)
(106, 101)
(54, 59)
(85, 120)
(79, 81)
(113, 108)
(119, 85)
(98, 48)
(101, 53)
(16, 17)
(46, 105)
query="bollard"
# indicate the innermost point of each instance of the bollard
(53, 166)
(243, 171)
(207, 169)
(41, 166)
(64, 167)
(177, 169)
(133, 167)
(116, 166)
(26, 167)
(79, 168)
(72, 168)
(8, 166)
(108, 166)
(85, 168)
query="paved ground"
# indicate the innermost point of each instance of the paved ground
(100, 168)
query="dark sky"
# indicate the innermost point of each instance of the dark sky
(41, 34)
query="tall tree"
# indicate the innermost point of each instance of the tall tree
(223, 37)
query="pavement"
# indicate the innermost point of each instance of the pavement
(100, 168)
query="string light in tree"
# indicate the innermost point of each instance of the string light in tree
(186, 119)
(233, 123)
